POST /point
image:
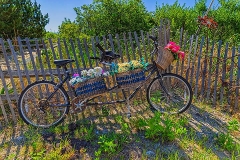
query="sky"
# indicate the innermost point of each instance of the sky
(59, 9)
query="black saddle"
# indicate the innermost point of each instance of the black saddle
(63, 62)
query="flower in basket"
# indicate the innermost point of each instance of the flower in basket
(84, 73)
(75, 75)
(98, 71)
(105, 73)
(175, 50)
(91, 73)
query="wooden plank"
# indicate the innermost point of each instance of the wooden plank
(3, 110)
(138, 44)
(87, 52)
(126, 46)
(180, 44)
(81, 53)
(94, 50)
(209, 73)
(236, 108)
(40, 60)
(217, 72)
(193, 61)
(150, 47)
(7, 94)
(223, 73)
(75, 56)
(47, 60)
(54, 56)
(9, 69)
(23, 60)
(144, 46)
(204, 71)
(184, 48)
(17, 64)
(131, 43)
(119, 47)
(59, 49)
(198, 66)
(189, 57)
(68, 54)
(231, 72)
(32, 58)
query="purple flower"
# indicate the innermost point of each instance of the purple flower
(75, 75)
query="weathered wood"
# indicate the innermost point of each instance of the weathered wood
(94, 50)
(199, 66)
(217, 74)
(40, 60)
(16, 62)
(180, 44)
(7, 94)
(144, 46)
(3, 109)
(119, 47)
(184, 48)
(81, 53)
(189, 56)
(68, 53)
(209, 73)
(75, 56)
(23, 60)
(138, 44)
(231, 75)
(236, 107)
(193, 61)
(8, 68)
(48, 61)
(87, 52)
(224, 66)
(204, 71)
(131, 44)
(54, 56)
(126, 46)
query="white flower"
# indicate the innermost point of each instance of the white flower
(98, 71)
(84, 73)
(90, 73)
(106, 73)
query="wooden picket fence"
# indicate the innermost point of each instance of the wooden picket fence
(212, 68)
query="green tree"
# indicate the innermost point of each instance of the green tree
(21, 18)
(113, 16)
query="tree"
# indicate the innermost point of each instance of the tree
(21, 18)
(113, 16)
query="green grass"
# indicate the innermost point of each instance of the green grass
(113, 136)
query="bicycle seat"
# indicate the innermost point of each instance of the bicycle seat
(110, 55)
(63, 62)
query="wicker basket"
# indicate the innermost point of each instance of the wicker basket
(91, 87)
(164, 58)
(130, 78)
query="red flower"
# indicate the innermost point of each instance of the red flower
(175, 49)
(181, 54)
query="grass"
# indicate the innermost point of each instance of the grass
(200, 133)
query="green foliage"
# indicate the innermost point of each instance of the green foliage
(111, 143)
(226, 142)
(109, 16)
(233, 125)
(21, 18)
(166, 129)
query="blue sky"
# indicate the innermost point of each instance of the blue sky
(60, 9)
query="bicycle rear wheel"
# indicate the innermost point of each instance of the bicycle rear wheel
(176, 98)
(36, 110)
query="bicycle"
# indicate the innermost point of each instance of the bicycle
(45, 103)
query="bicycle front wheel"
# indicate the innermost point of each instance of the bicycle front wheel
(36, 107)
(173, 96)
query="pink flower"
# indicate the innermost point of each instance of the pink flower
(75, 75)
(175, 49)
(181, 54)
(172, 43)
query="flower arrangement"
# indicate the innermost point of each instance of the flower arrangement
(124, 67)
(208, 22)
(175, 50)
(87, 74)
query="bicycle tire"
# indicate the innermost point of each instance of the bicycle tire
(51, 113)
(179, 91)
